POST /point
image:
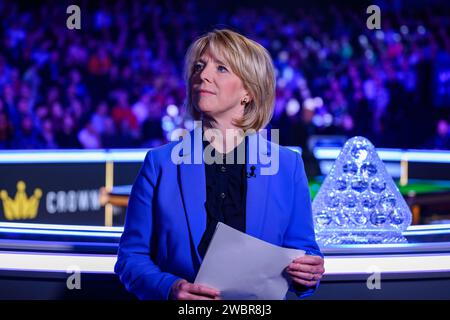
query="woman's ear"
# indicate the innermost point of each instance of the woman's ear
(246, 99)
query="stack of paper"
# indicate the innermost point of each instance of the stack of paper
(242, 267)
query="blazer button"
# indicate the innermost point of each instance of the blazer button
(223, 169)
(223, 195)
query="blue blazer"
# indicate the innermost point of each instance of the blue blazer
(166, 216)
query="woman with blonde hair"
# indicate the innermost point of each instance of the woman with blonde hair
(216, 174)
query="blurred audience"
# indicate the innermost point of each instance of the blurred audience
(441, 140)
(117, 82)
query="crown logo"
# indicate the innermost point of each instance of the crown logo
(21, 207)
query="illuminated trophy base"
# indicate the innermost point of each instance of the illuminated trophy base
(359, 203)
(354, 237)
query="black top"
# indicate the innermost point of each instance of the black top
(226, 189)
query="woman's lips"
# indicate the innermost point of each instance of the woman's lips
(204, 92)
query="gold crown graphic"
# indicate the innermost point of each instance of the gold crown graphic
(21, 207)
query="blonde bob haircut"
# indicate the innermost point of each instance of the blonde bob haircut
(250, 61)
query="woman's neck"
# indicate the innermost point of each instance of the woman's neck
(222, 137)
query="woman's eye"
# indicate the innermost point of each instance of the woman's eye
(198, 66)
(222, 68)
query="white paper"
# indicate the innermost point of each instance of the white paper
(243, 267)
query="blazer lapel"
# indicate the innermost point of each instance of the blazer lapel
(257, 187)
(193, 188)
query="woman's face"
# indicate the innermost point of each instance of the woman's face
(216, 90)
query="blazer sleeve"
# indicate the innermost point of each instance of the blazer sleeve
(300, 232)
(134, 265)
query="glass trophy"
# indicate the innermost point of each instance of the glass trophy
(358, 202)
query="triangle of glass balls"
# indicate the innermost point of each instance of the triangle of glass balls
(359, 194)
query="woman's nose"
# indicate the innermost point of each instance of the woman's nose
(205, 74)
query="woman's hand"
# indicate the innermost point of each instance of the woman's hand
(306, 270)
(184, 290)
